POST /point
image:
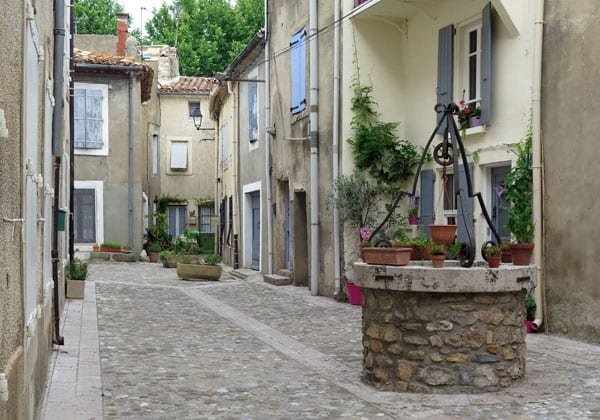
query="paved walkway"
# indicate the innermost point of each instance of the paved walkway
(245, 349)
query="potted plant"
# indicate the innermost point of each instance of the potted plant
(530, 307)
(110, 247)
(154, 249)
(506, 254)
(76, 273)
(413, 215)
(438, 254)
(207, 269)
(443, 234)
(96, 248)
(354, 293)
(518, 192)
(493, 254)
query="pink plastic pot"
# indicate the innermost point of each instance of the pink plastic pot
(354, 293)
(529, 327)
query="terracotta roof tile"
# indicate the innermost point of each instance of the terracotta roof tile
(146, 76)
(186, 84)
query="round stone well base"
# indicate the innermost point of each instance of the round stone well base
(450, 330)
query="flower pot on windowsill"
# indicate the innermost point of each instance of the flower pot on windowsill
(521, 253)
(474, 122)
(437, 261)
(494, 261)
(413, 220)
(443, 234)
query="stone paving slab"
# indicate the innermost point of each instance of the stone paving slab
(246, 349)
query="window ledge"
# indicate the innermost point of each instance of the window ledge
(480, 129)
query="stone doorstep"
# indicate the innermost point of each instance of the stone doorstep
(277, 280)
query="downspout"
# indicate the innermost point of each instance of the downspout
(130, 161)
(57, 125)
(236, 163)
(336, 134)
(314, 148)
(269, 268)
(71, 241)
(537, 162)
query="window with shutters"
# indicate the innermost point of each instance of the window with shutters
(179, 155)
(253, 111)
(88, 215)
(91, 119)
(206, 215)
(470, 50)
(464, 66)
(176, 219)
(298, 71)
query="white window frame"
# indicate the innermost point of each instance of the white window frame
(211, 227)
(104, 150)
(464, 56)
(155, 153)
(177, 219)
(98, 186)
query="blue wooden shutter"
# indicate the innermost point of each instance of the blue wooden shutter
(486, 64)
(252, 112)
(464, 223)
(182, 222)
(445, 68)
(79, 116)
(172, 214)
(93, 117)
(427, 183)
(298, 76)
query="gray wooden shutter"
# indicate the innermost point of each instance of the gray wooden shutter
(84, 215)
(252, 112)
(465, 222)
(427, 214)
(79, 116)
(486, 64)
(93, 117)
(445, 69)
(182, 210)
(172, 214)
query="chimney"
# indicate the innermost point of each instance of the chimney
(122, 32)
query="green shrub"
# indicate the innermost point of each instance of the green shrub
(154, 247)
(212, 259)
(77, 270)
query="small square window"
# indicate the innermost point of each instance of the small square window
(194, 109)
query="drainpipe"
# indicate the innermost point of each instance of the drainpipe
(236, 160)
(314, 148)
(336, 135)
(537, 161)
(57, 126)
(269, 268)
(71, 135)
(130, 161)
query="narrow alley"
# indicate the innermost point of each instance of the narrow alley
(143, 344)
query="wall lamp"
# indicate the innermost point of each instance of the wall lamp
(197, 118)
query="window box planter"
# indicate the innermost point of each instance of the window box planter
(105, 248)
(387, 256)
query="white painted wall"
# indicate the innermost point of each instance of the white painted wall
(398, 55)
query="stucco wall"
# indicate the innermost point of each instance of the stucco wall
(291, 159)
(11, 280)
(113, 169)
(397, 54)
(570, 137)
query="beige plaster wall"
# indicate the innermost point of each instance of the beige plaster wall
(569, 136)
(113, 169)
(291, 159)
(198, 181)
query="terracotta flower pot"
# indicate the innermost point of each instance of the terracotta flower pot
(386, 256)
(494, 261)
(437, 261)
(443, 234)
(153, 256)
(521, 253)
(506, 256)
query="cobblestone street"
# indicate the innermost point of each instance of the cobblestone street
(245, 349)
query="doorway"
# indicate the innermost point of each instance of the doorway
(300, 239)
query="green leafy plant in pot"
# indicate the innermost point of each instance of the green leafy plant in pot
(493, 254)
(438, 254)
(518, 192)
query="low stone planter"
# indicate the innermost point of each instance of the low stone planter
(75, 289)
(199, 271)
(446, 330)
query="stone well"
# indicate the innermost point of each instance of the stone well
(447, 330)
